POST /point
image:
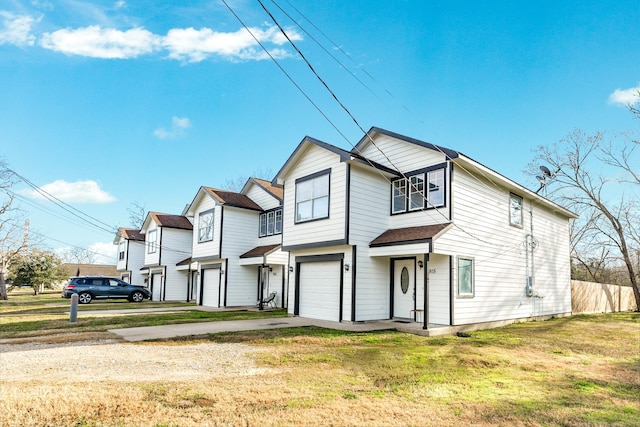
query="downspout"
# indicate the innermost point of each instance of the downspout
(425, 318)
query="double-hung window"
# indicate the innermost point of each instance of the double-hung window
(121, 248)
(416, 192)
(420, 190)
(399, 195)
(205, 226)
(515, 210)
(312, 197)
(466, 286)
(435, 180)
(271, 223)
(151, 241)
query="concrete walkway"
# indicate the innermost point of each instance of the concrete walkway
(201, 328)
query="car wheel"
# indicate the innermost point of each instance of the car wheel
(136, 297)
(84, 297)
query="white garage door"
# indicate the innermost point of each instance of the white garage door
(210, 288)
(320, 290)
(156, 286)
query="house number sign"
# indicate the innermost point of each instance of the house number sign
(432, 271)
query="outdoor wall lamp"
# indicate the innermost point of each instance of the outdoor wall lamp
(346, 267)
(420, 264)
(290, 269)
(221, 271)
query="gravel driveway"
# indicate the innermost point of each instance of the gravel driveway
(125, 361)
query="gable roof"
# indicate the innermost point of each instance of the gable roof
(297, 153)
(369, 136)
(408, 235)
(231, 198)
(469, 164)
(267, 186)
(131, 234)
(170, 221)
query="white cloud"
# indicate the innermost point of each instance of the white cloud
(97, 42)
(178, 126)
(73, 192)
(191, 45)
(625, 97)
(120, 4)
(104, 252)
(16, 29)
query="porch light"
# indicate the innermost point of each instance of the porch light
(346, 267)
(420, 264)
(290, 269)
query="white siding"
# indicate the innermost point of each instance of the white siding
(135, 261)
(369, 217)
(152, 258)
(265, 200)
(404, 156)
(240, 235)
(481, 213)
(176, 246)
(329, 229)
(209, 249)
(438, 277)
(121, 264)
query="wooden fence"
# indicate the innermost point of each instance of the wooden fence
(588, 297)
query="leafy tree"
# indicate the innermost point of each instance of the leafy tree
(39, 269)
(597, 178)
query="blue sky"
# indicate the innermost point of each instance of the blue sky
(107, 103)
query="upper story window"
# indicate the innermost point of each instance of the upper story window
(419, 191)
(121, 248)
(271, 223)
(515, 210)
(205, 226)
(312, 197)
(151, 241)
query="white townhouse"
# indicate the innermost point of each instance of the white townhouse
(399, 228)
(167, 242)
(236, 255)
(130, 255)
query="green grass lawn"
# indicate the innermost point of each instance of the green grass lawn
(28, 315)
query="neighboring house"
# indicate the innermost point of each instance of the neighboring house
(130, 255)
(399, 228)
(167, 242)
(236, 245)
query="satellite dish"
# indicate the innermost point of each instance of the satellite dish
(541, 179)
(545, 170)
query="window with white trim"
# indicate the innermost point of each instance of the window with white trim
(416, 192)
(466, 285)
(312, 198)
(121, 248)
(435, 195)
(515, 210)
(151, 241)
(205, 226)
(271, 223)
(399, 195)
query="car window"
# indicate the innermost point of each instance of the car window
(113, 282)
(96, 282)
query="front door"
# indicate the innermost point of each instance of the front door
(263, 287)
(404, 285)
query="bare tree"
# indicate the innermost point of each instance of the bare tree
(236, 184)
(608, 227)
(137, 214)
(77, 255)
(13, 238)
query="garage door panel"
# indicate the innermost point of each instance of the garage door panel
(319, 293)
(210, 288)
(156, 286)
